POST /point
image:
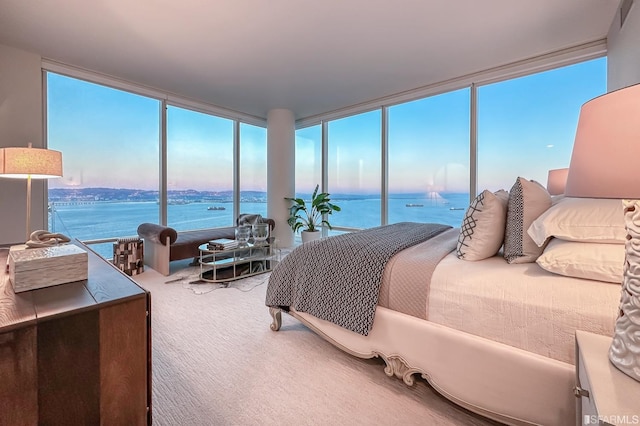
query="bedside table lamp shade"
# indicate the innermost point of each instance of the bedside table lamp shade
(607, 147)
(604, 164)
(30, 163)
(556, 181)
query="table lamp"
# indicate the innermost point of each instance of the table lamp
(556, 181)
(30, 163)
(604, 164)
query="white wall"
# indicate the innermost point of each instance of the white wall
(21, 122)
(623, 45)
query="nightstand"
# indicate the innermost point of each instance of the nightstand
(77, 353)
(606, 396)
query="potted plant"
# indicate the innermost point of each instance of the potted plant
(309, 218)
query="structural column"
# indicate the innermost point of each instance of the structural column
(280, 171)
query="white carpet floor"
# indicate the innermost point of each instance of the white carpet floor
(216, 362)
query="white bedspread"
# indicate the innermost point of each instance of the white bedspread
(520, 304)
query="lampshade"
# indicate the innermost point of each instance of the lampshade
(607, 147)
(35, 162)
(556, 181)
(30, 163)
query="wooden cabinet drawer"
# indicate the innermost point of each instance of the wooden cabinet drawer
(76, 353)
(18, 377)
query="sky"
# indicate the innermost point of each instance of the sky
(526, 126)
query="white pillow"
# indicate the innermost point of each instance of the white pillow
(527, 200)
(590, 220)
(482, 231)
(592, 261)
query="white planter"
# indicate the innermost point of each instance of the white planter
(310, 235)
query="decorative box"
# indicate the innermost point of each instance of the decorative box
(128, 255)
(34, 268)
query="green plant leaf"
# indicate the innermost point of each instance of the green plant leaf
(310, 217)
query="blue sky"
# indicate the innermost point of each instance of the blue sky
(526, 126)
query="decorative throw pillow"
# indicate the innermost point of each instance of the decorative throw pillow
(527, 200)
(245, 219)
(592, 261)
(482, 230)
(592, 220)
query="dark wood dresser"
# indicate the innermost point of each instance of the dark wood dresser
(76, 353)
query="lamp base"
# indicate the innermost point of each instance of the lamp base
(624, 352)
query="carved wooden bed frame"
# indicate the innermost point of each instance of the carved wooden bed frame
(492, 379)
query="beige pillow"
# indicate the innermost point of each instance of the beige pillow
(482, 230)
(592, 261)
(527, 200)
(594, 220)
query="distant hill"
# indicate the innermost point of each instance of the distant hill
(174, 196)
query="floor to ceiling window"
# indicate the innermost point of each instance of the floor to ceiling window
(109, 140)
(526, 126)
(354, 169)
(429, 159)
(253, 169)
(199, 170)
(308, 160)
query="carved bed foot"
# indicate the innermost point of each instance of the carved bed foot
(396, 366)
(276, 314)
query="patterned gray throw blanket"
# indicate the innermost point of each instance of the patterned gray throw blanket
(338, 279)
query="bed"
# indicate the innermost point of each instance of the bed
(492, 335)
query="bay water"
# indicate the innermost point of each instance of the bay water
(104, 220)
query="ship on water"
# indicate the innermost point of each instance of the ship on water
(414, 205)
(216, 208)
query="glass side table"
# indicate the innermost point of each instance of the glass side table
(218, 266)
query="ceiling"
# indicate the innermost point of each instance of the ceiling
(308, 56)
